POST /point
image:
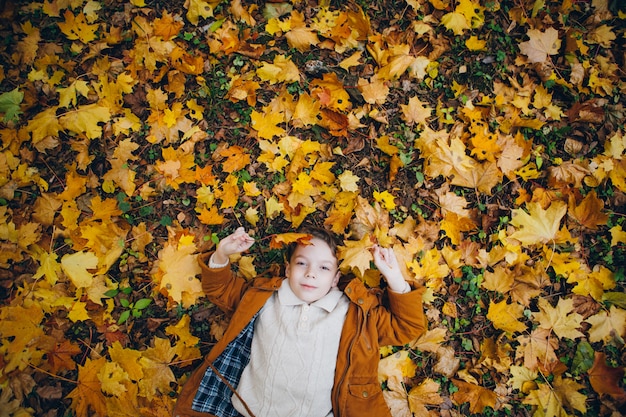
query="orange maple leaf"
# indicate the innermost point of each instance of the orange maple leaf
(88, 398)
(283, 239)
(166, 26)
(477, 396)
(236, 159)
(60, 356)
(589, 212)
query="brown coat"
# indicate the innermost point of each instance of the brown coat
(372, 321)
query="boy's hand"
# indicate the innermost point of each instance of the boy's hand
(387, 263)
(237, 242)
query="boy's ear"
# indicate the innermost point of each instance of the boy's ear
(286, 269)
(336, 279)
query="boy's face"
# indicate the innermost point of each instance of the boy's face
(312, 270)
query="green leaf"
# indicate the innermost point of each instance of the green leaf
(583, 359)
(123, 317)
(616, 298)
(124, 302)
(10, 105)
(111, 293)
(143, 303)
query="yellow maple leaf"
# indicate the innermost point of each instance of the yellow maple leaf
(22, 326)
(552, 399)
(416, 111)
(456, 22)
(481, 176)
(113, 379)
(537, 226)
(355, 255)
(306, 111)
(505, 316)
(352, 61)
(330, 92)
(76, 266)
(299, 35)
(562, 319)
(158, 375)
(281, 70)
(106, 240)
(386, 199)
(197, 9)
(398, 365)
(77, 28)
(267, 124)
(128, 359)
(522, 378)
(473, 12)
(608, 326)
(176, 272)
(475, 44)
(432, 268)
(273, 207)
(374, 90)
(68, 95)
(186, 347)
(44, 124)
(423, 394)
(85, 119)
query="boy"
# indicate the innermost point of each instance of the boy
(300, 346)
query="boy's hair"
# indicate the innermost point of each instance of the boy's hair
(317, 232)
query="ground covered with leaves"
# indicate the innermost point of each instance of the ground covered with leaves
(482, 140)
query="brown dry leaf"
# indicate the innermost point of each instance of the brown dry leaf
(477, 396)
(589, 212)
(541, 44)
(606, 380)
(537, 349)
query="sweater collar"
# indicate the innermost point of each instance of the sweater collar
(328, 302)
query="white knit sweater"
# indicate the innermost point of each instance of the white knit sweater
(294, 352)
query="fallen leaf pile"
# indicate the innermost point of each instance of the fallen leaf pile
(483, 140)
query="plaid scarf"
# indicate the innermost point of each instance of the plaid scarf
(214, 395)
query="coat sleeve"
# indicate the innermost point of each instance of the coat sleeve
(221, 286)
(403, 320)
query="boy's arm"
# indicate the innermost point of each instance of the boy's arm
(405, 319)
(220, 285)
